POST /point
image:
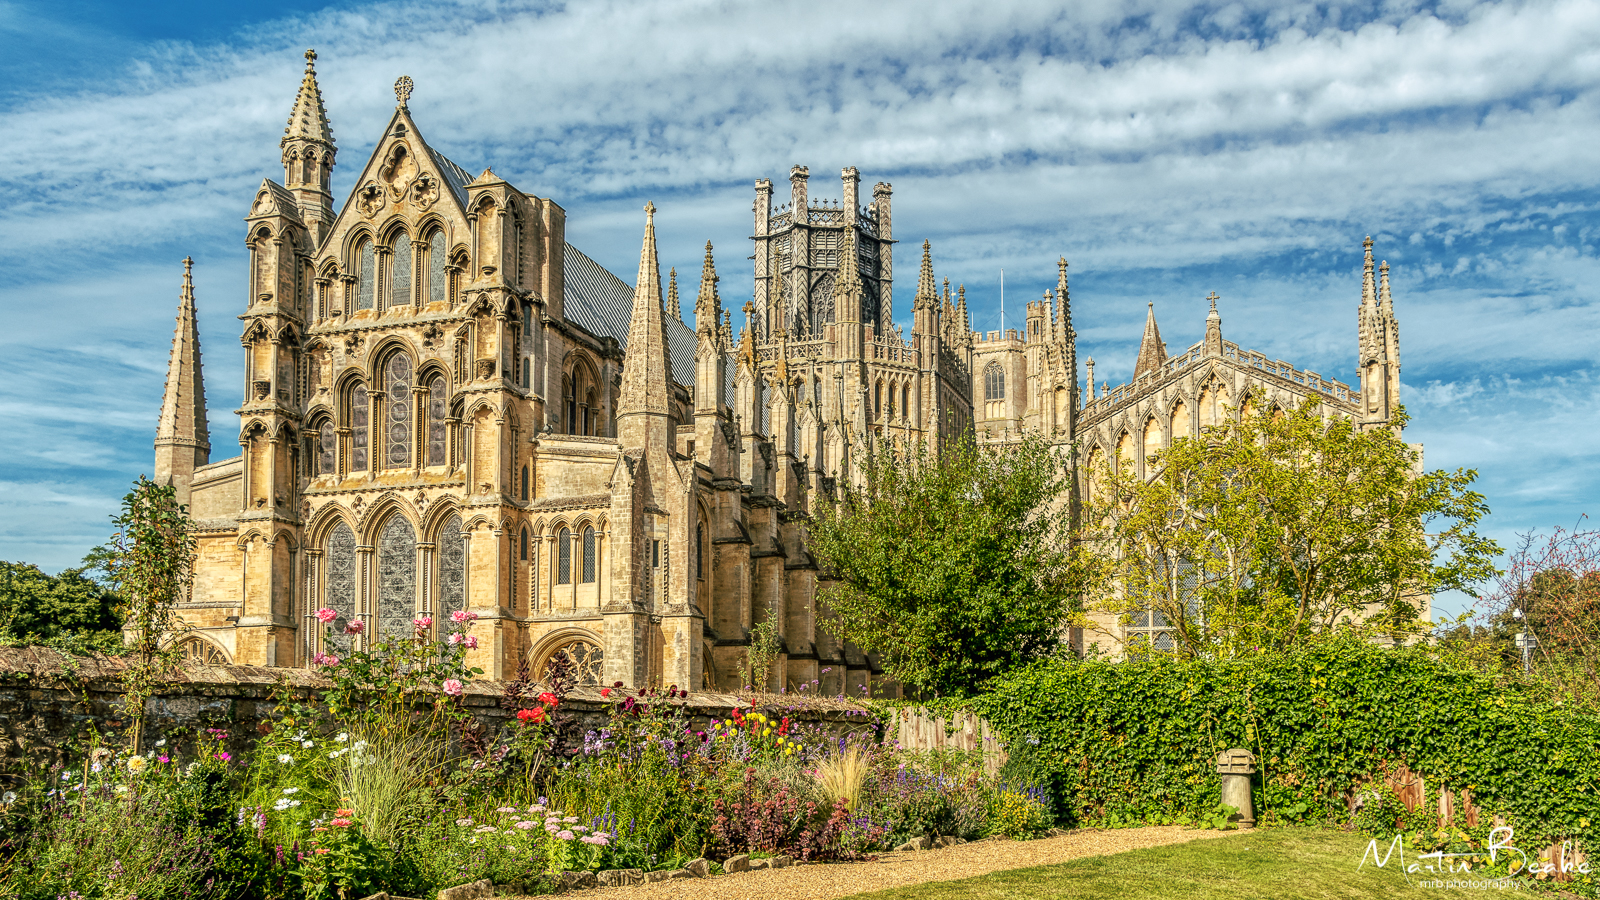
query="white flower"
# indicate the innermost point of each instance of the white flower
(343, 736)
(8, 798)
(361, 745)
(161, 743)
(291, 790)
(286, 759)
(122, 789)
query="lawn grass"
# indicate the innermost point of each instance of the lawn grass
(1297, 863)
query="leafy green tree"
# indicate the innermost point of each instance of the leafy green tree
(1262, 532)
(151, 562)
(954, 566)
(36, 606)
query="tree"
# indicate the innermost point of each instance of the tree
(1261, 532)
(953, 566)
(37, 607)
(151, 560)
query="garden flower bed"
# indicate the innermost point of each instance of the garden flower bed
(389, 783)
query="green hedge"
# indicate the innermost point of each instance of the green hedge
(1123, 742)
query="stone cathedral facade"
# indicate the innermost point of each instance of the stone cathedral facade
(448, 407)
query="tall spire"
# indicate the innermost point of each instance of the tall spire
(647, 367)
(927, 292)
(1152, 352)
(708, 305)
(309, 119)
(1385, 302)
(1063, 303)
(1369, 294)
(183, 443)
(673, 306)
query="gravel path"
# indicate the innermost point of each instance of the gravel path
(828, 881)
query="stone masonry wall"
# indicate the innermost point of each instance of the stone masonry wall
(51, 705)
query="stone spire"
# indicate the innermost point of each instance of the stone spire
(961, 312)
(1213, 328)
(308, 154)
(1385, 302)
(927, 291)
(1369, 294)
(645, 401)
(673, 306)
(1063, 304)
(183, 443)
(1152, 352)
(847, 289)
(309, 119)
(708, 304)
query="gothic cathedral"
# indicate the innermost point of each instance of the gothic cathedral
(448, 407)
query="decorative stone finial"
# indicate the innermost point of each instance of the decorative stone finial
(1368, 242)
(402, 90)
(1213, 298)
(311, 58)
(649, 212)
(188, 266)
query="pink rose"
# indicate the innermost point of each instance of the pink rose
(452, 686)
(326, 615)
(464, 640)
(328, 659)
(422, 623)
(471, 642)
(355, 627)
(462, 617)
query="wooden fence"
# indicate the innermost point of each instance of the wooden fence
(917, 729)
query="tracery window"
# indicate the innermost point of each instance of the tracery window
(397, 577)
(588, 555)
(397, 382)
(327, 449)
(452, 569)
(564, 556)
(400, 272)
(366, 269)
(582, 660)
(438, 283)
(994, 382)
(358, 428)
(199, 651)
(340, 591)
(438, 410)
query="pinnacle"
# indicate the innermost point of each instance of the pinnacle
(1152, 352)
(672, 294)
(647, 373)
(926, 291)
(309, 119)
(707, 305)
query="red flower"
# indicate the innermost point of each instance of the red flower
(535, 716)
(549, 699)
(605, 692)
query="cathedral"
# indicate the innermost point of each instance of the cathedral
(448, 407)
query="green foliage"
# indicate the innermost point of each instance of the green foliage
(1137, 741)
(1264, 531)
(956, 566)
(150, 563)
(38, 608)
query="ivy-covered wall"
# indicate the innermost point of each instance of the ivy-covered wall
(1137, 741)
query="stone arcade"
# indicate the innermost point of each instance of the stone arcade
(447, 407)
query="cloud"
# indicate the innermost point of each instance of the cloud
(1167, 149)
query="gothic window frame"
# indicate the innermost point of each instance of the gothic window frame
(436, 414)
(564, 555)
(325, 461)
(341, 586)
(400, 279)
(398, 412)
(395, 558)
(524, 545)
(437, 270)
(450, 540)
(994, 382)
(357, 416)
(591, 553)
(524, 490)
(364, 262)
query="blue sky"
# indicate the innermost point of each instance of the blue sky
(1166, 149)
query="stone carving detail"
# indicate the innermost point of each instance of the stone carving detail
(341, 587)
(486, 368)
(263, 205)
(431, 334)
(397, 577)
(262, 388)
(452, 570)
(398, 171)
(425, 192)
(370, 199)
(352, 344)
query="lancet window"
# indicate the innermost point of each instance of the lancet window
(438, 410)
(438, 282)
(366, 269)
(452, 569)
(564, 556)
(397, 382)
(358, 429)
(588, 555)
(400, 272)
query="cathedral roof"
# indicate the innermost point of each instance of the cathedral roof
(603, 304)
(454, 175)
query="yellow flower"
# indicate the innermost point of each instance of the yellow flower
(789, 751)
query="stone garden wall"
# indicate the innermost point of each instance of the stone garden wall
(52, 704)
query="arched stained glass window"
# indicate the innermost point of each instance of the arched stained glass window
(452, 569)
(397, 577)
(524, 543)
(526, 490)
(994, 382)
(438, 409)
(564, 556)
(327, 449)
(340, 592)
(905, 400)
(397, 382)
(438, 283)
(367, 275)
(400, 272)
(588, 555)
(358, 429)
